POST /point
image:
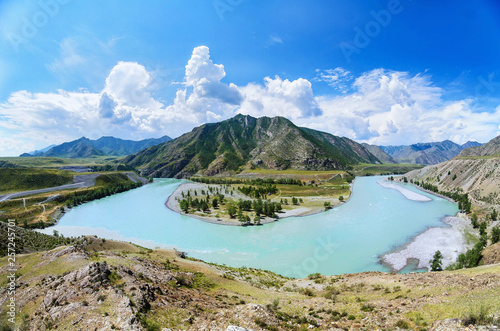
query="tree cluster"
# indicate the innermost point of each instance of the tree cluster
(494, 215)
(79, 197)
(258, 192)
(463, 201)
(255, 181)
(471, 258)
(201, 203)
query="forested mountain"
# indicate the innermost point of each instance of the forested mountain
(245, 141)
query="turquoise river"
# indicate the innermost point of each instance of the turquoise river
(349, 238)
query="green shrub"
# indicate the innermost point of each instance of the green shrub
(308, 291)
(315, 276)
(480, 317)
(367, 308)
(495, 235)
(402, 324)
(114, 277)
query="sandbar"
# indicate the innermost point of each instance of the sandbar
(410, 195)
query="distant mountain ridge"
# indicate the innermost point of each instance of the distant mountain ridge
(379, 153)
(475, 171)
(39, 151)
(427, 153)
(245, 141)
(492, 148)
(85, 148)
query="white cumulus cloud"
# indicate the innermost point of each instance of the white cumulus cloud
(393, 107)
(380, 106)
(278, 97)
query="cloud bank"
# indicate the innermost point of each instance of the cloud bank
(380, 107)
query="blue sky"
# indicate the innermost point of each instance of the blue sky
(384, 72)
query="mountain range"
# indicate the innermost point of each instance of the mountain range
(246, 142)
(475, 171)
(39, 151)
(427, 153)
(379, 153)
(104, 146)
(492, 148)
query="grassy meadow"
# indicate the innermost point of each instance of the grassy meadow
(24, 179)
(54, 162)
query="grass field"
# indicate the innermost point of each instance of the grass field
(293, 172)
(55, 162)
(303, 175)
(112, 179)
(21, 179)
(365, 169)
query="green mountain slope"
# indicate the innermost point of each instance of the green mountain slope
(245, 141)
(379, 153)
(74, 149)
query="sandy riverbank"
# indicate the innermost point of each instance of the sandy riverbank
(449, 240)
(430, 192)
(405, 192)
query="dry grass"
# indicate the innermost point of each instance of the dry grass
(416, 300)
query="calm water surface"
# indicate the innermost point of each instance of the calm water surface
(346, 239)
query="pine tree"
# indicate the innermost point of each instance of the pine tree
(231, 210)
(256, 219)
(482, 228)
(495, 235)
(473, 220)
(437, 261)
(494, 215)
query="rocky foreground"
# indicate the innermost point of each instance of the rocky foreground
(101, 285)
